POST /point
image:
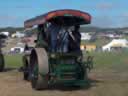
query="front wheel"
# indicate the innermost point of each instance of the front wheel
(38, 81)
(2, 65)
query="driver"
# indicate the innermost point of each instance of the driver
(53, 31)
(63, 39)
(75, 39)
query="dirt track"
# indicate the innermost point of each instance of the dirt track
(107, 84)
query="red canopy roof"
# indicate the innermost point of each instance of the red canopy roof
(44, 18)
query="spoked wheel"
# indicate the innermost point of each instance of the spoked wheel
(25, 68)
(1, 62)
(38, 81)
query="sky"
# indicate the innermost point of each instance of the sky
(105, 13)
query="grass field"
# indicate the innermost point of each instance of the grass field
(101, 59)
(13, 61)
(109, 77)
(111, 60)
(110, 74)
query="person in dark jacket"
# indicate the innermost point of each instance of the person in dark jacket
(75, 39)
(53, 31)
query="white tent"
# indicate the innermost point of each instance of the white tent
(115, 43)
(5, 33)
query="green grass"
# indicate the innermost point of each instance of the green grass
(101, 59)
(14, 61)
(110, 60)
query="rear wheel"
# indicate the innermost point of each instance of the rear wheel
(38, 81)
(25, 68)
(1, 62)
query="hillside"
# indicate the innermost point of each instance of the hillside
(82, 29)
(14, 29)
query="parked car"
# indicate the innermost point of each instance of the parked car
(17, 50)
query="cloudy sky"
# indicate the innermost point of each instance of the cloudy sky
(105, 13)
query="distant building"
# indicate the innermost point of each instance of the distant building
(88, 47)
(85, 36)
(115, 43)
(18, 35)
(113, 36)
